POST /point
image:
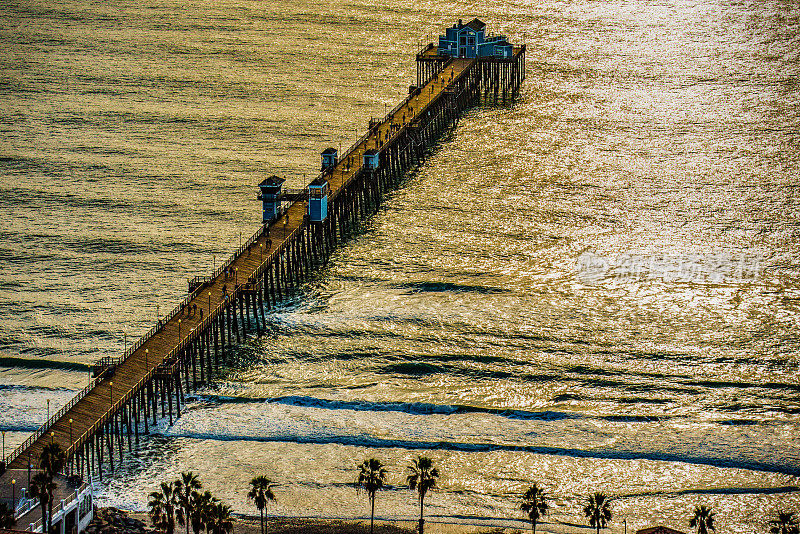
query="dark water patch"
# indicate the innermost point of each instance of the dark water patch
(24, 256)
(480, 358)
(421, 408)
(636, 400)
(363, 441)
(645, 355)
(30, 363)
(448, 287)
(565, 397)
(655, 386)
(756, 407)
(426, 368)
(40, 351)
(626, 384)
(716, 491)
(739, 422)
(723, 384)
(18, 428)
(414, 369)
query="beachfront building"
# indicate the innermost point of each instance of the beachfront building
(73, 506)
(470, 41)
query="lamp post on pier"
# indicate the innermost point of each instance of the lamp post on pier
(52, 437)
(261, 249)
(111, 392)
(209, 302)
(146, 353)
(13, 497)
(179, 330)
(48, 409)
(235, 277)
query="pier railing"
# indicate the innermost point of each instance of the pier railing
(42, 430)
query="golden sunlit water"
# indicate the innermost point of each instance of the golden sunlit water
(593, 288)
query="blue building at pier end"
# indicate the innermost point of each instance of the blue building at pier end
(470, 41)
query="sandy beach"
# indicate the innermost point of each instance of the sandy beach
(296, 525)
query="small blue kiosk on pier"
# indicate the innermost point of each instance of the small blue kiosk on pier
(371, 159)
(318, 200)
(270, 197)
(330, 157)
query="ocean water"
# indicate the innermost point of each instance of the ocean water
(593, 288)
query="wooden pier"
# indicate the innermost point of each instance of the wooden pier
(188, 347)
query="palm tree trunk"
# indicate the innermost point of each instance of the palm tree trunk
(262, 521)
(372, 513)
(421, 520)
(533, 523)
(50, 515)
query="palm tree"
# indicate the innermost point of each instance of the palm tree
(6, 516)
(371, 477)
(786, 523)
(261, 494)
(703, 519)
(422, 478)
(51, 461)
(220, 520)
(200, 511)
(162, 507)
(42, 487)
(534, 503)
(184, 487)
(597, 510)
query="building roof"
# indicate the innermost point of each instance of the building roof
(476, 24)
(272, 180)
(502, 42)
(329, 150)
(370, 152)
(318, 181)
(658, 530)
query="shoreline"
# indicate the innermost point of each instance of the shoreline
(250, 524)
